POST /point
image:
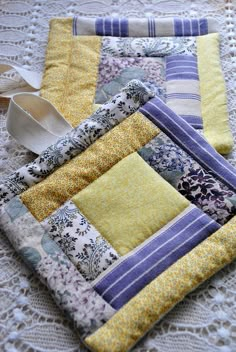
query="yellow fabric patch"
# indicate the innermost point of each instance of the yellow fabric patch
(46, 196)
(71, 69)
(213, 94)
(131, 322)
(129, 203)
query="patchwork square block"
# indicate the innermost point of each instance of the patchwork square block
(133, 208)
(132, 202)
(141, 231)
(100, 58)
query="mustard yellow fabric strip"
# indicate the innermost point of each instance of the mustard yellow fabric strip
(129, 203)
(213, 94)
(71, 69)
(46, 196)
(130, 323)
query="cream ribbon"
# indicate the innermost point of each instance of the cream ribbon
(32, 120)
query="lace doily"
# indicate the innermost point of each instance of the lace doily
(29, 319)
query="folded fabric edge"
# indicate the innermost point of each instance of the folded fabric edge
(138, 316)
(146, 27)
(213, 94)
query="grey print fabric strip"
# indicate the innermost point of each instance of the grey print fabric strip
(148, 47)
(72, 293)
(80, 241)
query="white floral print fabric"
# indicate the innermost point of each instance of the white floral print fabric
(70, 290)
(148, 47)
(76, 141)
(80, 241)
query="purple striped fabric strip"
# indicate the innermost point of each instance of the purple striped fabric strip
(187, 27)
(181, 67)
(182, 76)
(190, 27)
(203, 24)
(194, 121)
(194, 26)
(116, 27)
(151, 27)
(190, 140)
(112, 26)
(178, 27)
(99, 26)
(183, 96)
(124, 25)
(119, 27)
(107, 26)
(150, 259)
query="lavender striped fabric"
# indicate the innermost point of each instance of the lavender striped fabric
(183, 96)
(181, 67)
(190, 27)
(151, 27)
(154, 256)
(194, 121)
(183, 99)
(143, 27)
(117, 27)
(190, 140)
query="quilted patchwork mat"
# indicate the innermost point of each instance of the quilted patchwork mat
(177, 58)
(135, 207)
(121, 223)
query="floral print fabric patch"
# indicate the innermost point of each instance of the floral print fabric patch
(148, 47)
(123, 59)
(115, 73)
(80, 241)
(189, 178)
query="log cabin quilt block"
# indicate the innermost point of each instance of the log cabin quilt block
(177, 58)
(134, 208)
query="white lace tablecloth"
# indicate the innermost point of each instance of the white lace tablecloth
(29, 319)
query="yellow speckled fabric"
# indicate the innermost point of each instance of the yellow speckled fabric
(46, 196)
(132, 321)
(130, 203)
(71, 69)
(213, 94)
